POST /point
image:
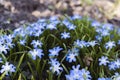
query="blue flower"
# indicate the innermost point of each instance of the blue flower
(101, 78)
(37, 26)
(98, 37)
(55, 66)
(117, 78)
(8, 68)
(105, 33)
(77, 74)
(71, 26)
(38, 33)
(80, 44)
(20, 32)
(76, 69)
(22, 42)
(108, 78)
(74, 74)
(102, 32)
(36, 52)
(118, 42)
(2, 40)
(112, 65)
(65, 35)
(95, 24)
(118, 31)
(76, 16)
(66, 22)
(108, 26)
(85, 74)
(35, 29)
(117, 63)
(70, 77)
(51, 26)
(53, 61)
(16, 31)
(98, 30)
(55, 51)
(3, 49)
(92, 43)
(36, 43)
(71, 55)
(42, 20)
(104, 78)
(53, 18)
(117, 74)
(110, 45)
(111, 36)
(1, 60)
(103, 60)
(8, 38)
(10, 44)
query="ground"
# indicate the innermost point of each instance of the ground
(14, 13)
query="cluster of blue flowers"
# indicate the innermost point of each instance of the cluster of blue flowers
(70, 54)
(77, 74)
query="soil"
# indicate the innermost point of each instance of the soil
(14, 13)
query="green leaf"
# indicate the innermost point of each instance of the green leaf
(2, 76)
(65, 68)
(30, 67)
(19, 63)
(19, 78)
(32, 78)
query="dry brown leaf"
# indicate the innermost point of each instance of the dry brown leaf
(87, 60)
